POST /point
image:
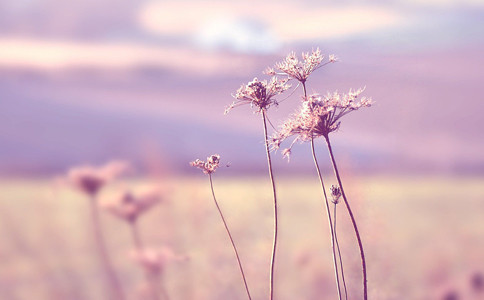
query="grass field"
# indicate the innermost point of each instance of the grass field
(423, 237)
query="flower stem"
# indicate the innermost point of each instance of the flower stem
(150, 280)
(113, 281)
(230, 237)
(274, 245)
(353, 221)
(329, 219)
(339, 253)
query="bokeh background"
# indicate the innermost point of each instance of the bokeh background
(85, 82)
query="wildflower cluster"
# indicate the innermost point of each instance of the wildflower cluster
(318, 116)
(259, 93)
(209, 167)
(129, 206)
(301, 69)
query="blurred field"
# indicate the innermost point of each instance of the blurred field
(423, 237)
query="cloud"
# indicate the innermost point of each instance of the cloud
(239, 35)
(65, 54)
(278, 21)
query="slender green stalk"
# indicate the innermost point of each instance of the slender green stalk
(353, 221)
(230, 237)
(113, 281)
(271, 175)
(151, 281)
(339, 253)
(329, 220)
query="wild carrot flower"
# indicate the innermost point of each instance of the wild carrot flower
(319, 116)
(90, 179)
(259, 94)
(208, 168)
(129, 206)
(301, 69)
(335, 193)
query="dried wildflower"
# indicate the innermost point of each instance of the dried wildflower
(300, 70)
(286, 153)
(154, 259)
(319, 116)
(259, 93)
(335, 193)
(209, 167)
(90, 180)
(129, 206)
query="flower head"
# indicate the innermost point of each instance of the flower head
(129, 206)
(90, 180)
(259, 93)
(335, 193)
(209, 167)
(301, 69)
(319, 116)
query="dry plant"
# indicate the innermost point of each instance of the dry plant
(260, 94)
(300, 70)
(336, 195)
(90, 180)
(319, 116)
(129, 207)
(209, 167)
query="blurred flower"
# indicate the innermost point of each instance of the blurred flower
(129, 206)
(319, 116)
(300, 70)
(477, 282)
(90, 179)
(335, 193)
(259, 93)
(154, 259)
(208, 167)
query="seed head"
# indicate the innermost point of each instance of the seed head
(318, 116)
(335, 193)
(259, 94)
(209, 167)
(301, 69)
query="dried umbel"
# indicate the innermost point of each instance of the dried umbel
(129, 206)
(259, 94)
(335, 193)
(319, 116)
(301, 69)
(208, 167)
(154, 260)
(90, 179)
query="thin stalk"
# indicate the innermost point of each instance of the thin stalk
(140, 247)
(113, 281)
(230, 237)
(329, 220)
(353, 221)
(274, 244)
(339, 253)
(331, 226)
